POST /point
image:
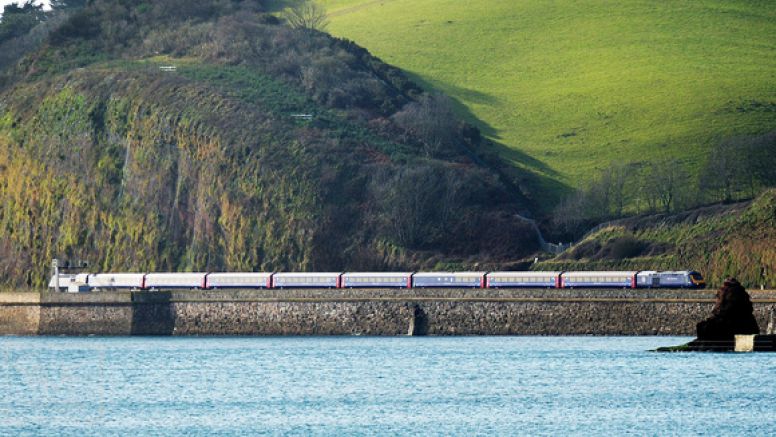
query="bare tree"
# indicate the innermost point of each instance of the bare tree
(604, 198)
(722, 174)
(432, 120)
(307, 15)
(663, 182)
(418, 203)
(568, 215)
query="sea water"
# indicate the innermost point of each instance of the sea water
(374, 385)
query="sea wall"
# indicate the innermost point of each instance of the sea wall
(364, 312)
(19, 313)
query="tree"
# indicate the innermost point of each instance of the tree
(307, 15)
(431, 119)
(759, 166)
(604, 198)
(19, 20)
(739, 167)
(664, 182)
(722, 172)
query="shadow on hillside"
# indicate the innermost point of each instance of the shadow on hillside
(523, 159)
(457, 94)
(537, 180)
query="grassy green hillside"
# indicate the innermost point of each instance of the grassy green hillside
(569, 87)
(719, 241)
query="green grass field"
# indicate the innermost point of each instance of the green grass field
(568, 87)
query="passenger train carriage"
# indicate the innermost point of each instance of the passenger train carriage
(448, 279)
(523, 279)
(598, 279)
(238, 280)
(258, 280)
(306, 280)
(377, 279)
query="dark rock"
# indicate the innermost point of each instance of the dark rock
(732, 314)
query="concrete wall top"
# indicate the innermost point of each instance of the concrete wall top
(86, 298)
(19, 297)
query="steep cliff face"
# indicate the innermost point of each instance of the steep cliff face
(107, 157)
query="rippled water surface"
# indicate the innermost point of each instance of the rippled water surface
(367, 385)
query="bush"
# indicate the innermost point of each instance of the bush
(622, 247)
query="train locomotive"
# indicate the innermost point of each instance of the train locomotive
(280, 280)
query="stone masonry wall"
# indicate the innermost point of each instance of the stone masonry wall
(85, 314)
(361, 312)
(292, 318)
(19, 313)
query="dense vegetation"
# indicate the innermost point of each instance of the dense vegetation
(571, 89)
(720, 241)
(107, 157)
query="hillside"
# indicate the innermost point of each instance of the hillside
(569, 87)
(719, 241)
(168, 136)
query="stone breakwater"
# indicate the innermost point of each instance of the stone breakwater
(364, 312)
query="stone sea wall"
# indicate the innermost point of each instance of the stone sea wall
(19, 313)
(364, 312)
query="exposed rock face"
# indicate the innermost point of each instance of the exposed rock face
(732, 314)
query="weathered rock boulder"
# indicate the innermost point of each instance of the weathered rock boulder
(732, 314)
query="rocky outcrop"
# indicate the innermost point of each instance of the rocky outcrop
(732, 314)
(731, 327)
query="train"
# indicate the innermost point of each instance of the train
(280, 280)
